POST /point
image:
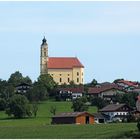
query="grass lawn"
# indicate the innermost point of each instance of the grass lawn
(40, 127)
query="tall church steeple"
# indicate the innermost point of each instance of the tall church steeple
(44, 57)
(44, 41)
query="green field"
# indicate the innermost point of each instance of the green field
(40, 127)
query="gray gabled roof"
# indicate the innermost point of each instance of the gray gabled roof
(112, 107)
(70, 114)
(23, 84)
(100, 115)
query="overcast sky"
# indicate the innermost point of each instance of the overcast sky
(105, 36)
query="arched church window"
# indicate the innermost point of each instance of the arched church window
(77, 80)
(68, 79)
(60, 80)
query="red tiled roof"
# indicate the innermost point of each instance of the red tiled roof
(63, 63)
(129, 83)
(97, 90)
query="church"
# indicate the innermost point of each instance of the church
(62, 69)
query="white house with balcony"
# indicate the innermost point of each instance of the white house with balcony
(117, 111)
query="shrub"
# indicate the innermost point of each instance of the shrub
(18, 106)
(79, 105)
(138, 125)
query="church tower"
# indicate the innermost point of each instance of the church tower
(44, 57)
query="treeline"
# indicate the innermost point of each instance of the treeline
(21, 105)
(24, 105)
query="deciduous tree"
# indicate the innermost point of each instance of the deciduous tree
(18, 106)
(79, 105)
(99, 102)
(93, 83)
(46, 81)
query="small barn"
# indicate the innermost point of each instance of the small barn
(73, 118)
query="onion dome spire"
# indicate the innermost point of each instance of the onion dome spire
(44, 41)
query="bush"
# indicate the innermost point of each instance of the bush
(79, 105)
(138, 125)
(99, 102)
(18, 106)
(131, 118)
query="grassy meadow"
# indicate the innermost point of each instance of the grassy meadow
(40, 126)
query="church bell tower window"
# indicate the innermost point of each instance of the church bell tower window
(44, 53)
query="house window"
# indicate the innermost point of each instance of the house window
(82, 73)
(82, 80)
(68, 79)
(77, 73)
(52, 74)
(68, 74)
(60, 80)
(60, 74)
(77, 80)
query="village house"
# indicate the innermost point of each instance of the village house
(71, 92)
(117, 112)
(127, 85)
(136, 90)
(106, 92)
(73, 118)
(23, 88)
